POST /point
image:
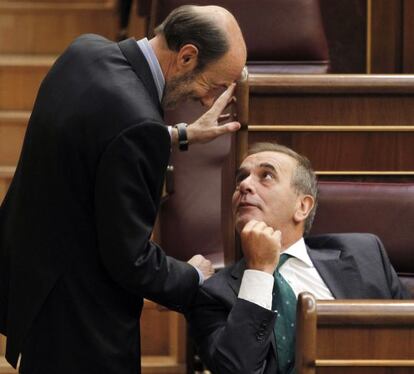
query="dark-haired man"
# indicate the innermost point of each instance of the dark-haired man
(244, 318)
(76, 259)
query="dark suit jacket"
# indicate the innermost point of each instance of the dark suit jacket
(75, 226)
(236, 336)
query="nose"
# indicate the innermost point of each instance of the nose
(247, 185)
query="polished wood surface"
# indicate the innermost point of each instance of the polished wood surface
(343, 123)
(5, 368)
(331, 83)
(57, 23)
(12, 129)
(331, 151)
(20, 78)
(354, 336)
(6, 175)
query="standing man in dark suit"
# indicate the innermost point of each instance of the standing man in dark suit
(244, 317)
(76, 259)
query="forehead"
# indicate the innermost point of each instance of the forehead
(280, 161)
(224, 71)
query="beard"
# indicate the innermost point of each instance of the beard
(178, 90)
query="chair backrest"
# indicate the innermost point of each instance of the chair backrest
(282, 36)
(384, 209)
(354, 336)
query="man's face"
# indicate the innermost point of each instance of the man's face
(204, 86)
(264, 191)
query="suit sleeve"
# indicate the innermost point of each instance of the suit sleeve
(127, 194)
(231, 339)
(397, 289)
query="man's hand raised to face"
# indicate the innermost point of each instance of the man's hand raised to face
(261, 246)
(208, 127)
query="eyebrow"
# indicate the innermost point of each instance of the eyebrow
(266, 165)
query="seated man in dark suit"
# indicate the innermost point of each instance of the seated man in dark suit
(244, 318)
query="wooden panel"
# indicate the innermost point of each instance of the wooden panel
(6, 175)
(2, 344)
(5, 368)
(408, 33)
(12, 129)
(330, 151)
(343, 123)
(24, 27)
(155, 341)
(331, 109)
(364, 370)
(58, 1)
(20, 78)
(386, 36)
(354, 336)
(383, 342)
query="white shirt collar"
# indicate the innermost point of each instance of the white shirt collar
(299, 251)
(154, 65)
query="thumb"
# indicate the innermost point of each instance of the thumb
(229, 127)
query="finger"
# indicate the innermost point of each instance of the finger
(224, 117)
(232, 100)
(223, 100)
(268, 230)
(248, 226)
(227, 128)
(259, 226)
(277, 233)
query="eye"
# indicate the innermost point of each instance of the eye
(268, 175)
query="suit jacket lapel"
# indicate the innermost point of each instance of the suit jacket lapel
(139, 64)
(339, 271)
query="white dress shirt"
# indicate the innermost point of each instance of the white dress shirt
(257, 286)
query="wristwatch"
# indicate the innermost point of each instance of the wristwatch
(182, 136)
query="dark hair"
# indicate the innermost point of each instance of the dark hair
(303, 180)
(186, 25)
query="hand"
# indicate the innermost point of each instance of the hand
(261, 246)
(202, 264)
(207, 127)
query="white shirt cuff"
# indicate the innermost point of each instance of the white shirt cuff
(200, 276)
(257, 287)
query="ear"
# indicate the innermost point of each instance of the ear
(187, 58)
(304, 206)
